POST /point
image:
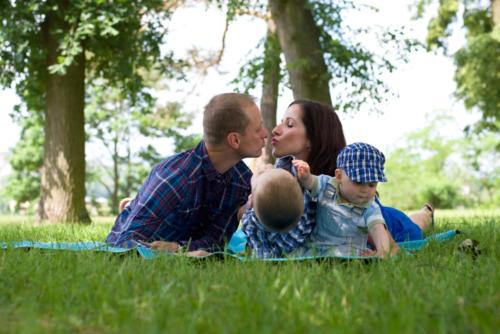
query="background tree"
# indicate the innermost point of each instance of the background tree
(478, 61)
(429, 166)
(299, 37)
(270, 84)
(23, 184)
(482, 157)
(46, 50)
(323, 54)
(422, 168)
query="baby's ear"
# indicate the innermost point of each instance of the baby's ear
(338, 174)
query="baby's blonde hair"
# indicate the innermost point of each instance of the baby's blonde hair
(277, 200)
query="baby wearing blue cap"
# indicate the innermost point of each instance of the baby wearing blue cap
(346, 212)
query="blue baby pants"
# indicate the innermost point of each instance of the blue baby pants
(400, 225)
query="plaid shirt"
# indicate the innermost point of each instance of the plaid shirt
(266, 244)
(185, 200)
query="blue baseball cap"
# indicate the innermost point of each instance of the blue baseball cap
(362, 163)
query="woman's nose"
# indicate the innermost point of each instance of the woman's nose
(276, 131)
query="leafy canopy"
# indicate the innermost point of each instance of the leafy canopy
(478, 62)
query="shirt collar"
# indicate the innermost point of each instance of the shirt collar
(286, 163)
(208, 168)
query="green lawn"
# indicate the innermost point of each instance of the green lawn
(439, 289)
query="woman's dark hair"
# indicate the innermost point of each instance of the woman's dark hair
(325, 133)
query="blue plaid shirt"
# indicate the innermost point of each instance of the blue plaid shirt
(185, 200)
(266, 244)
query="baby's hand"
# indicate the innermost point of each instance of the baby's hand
(303, 172)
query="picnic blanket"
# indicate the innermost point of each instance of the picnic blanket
(235, 247)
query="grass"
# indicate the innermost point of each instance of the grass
(439, 289)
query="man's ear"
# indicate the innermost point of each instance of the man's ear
(233, 139)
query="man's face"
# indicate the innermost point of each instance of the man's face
(252, 140)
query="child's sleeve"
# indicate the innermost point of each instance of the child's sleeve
(319, 185)
(374, 216)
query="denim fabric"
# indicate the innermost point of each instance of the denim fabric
(341, 228)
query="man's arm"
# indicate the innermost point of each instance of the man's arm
(156, 200)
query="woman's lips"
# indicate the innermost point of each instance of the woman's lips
(274, 141)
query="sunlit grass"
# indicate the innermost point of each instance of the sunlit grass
(438, 289)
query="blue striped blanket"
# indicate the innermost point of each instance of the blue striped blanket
(235, 247)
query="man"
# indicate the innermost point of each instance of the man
(190, 200)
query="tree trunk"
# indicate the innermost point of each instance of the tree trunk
(62, 196)
(270, 86)
(299, 39)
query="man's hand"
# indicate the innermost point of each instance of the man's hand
(163, 245)
(303, 173)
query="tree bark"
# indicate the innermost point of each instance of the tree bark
(300, 41)
(62, 197)
(270, 86)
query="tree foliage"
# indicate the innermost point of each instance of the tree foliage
(478, 61)
(118, 40)
(419, 170)
(23, 184)
(428, 166)
(355, 70)
(116, 125)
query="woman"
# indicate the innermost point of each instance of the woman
(312, 132)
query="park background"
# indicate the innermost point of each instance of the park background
(435, 150)
(150, 67)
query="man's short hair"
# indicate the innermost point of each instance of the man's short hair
(223, 114)
(278, 200)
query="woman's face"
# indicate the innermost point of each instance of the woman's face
(289, 136)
